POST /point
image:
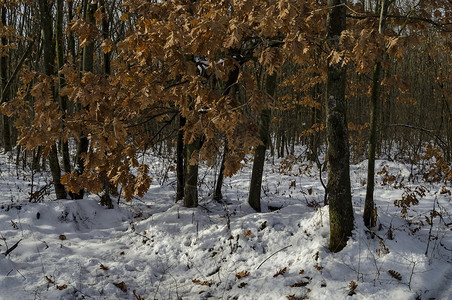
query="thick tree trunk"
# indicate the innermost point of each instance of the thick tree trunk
(369, 205)
(254, 198)
(191, 178)
(45, 13)
(60, 191)
(339, 193)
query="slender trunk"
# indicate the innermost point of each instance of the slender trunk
(339, 191)
(254, 198)
(4, 90)
(369, 205)
(106, 193)
(314, 138)
(283, 143)
(45, 13)
(218, 195)
(62, 81)
(71, 39)
(105, 35)
(180, 160)
(87, 66)
(230, 89)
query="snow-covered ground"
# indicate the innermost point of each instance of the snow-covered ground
(153, 248)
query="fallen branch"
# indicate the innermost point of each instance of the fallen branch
(272, 255)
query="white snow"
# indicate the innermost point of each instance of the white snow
(161, 250)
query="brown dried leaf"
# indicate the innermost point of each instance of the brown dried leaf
(318, 267)
(300, 284)
(248, 233)
(49, 280)
(199, 282)
(102, 267)
(352, 285)
(122, 286)
(62, 237)
(61, 287)
(242, 274)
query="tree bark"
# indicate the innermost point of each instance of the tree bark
(105, 35)
(369, 205)
(191, 178)
(339, 191)
(4, 90)
(45, 14)
(180, 169)
(87, 66)
(218, 195)
(106, 193)
(254, 197)
(71, 39)
(62, 81)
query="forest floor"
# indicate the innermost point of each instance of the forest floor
(154, 248)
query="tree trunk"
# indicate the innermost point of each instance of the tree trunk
(71, 39)
(218, 195)
(105, 35)
(106, 193)
(60, 191)
(4, 90)
(180, 169)
(339, 193)
(62, 81)
(369, 205)
(230, 89)
(254, 198)
(191, 178)
(45, 13)
(87, 66)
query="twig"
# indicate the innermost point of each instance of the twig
(272, 255)
(411, 274)
(9, 250)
